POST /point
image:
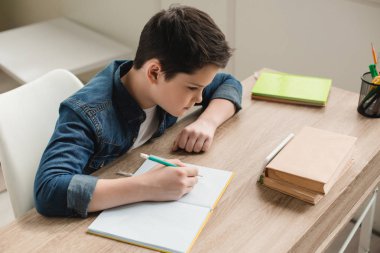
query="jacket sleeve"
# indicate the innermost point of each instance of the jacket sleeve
(223, 86)
(60, 187)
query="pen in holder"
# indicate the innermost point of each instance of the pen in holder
(369, 99)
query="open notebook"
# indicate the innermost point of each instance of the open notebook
(165, 226)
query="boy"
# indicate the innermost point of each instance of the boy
(179, 53)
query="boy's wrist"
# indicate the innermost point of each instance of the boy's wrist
(218, 111)
(143, 188)
(210, 122)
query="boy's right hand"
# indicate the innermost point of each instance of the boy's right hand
(168, 183)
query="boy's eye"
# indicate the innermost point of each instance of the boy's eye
(192, 88)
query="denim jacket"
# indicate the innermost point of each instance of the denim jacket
(96, 125)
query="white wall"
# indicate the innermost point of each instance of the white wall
(319, 38)
(123, 20)
(14, 13)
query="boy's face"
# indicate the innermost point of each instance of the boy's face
(180, 93)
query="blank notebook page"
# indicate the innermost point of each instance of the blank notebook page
(168, 226)
(171, 226)
(206, 192)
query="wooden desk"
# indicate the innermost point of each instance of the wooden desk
(249, 217)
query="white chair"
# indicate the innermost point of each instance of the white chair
(27, 119)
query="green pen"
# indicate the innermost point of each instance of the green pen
(159, 160)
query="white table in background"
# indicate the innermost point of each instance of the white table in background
(30, 51)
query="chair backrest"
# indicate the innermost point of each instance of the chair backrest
(27, 120)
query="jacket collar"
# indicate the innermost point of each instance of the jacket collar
(128, 107)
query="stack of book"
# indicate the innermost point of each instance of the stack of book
(310, 164)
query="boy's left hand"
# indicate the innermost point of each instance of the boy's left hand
(195, 137)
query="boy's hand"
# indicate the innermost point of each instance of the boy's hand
(196, 137)
(169, 183)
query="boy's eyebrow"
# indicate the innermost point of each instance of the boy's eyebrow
(196, 84)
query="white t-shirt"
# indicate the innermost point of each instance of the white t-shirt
(147, 128)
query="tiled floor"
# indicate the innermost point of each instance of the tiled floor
(6, 83)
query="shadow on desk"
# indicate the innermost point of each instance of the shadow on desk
(282, 200)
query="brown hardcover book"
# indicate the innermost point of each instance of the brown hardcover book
(306, 195)
(298, 192)
(313, 160)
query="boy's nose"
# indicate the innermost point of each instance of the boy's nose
(198, 98)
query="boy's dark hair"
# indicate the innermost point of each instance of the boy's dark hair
(184, 39)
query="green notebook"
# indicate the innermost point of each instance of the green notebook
(288, 88)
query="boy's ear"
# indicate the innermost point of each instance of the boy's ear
(154, 70)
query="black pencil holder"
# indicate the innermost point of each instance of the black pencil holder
(369, 99)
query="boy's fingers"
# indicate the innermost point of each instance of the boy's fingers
(182, 140)
(190, 144)
(191, 181)
(191, 172)
(206, 144)
(175, 143)
(199, 145)
(175, 146)
(188, 189)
